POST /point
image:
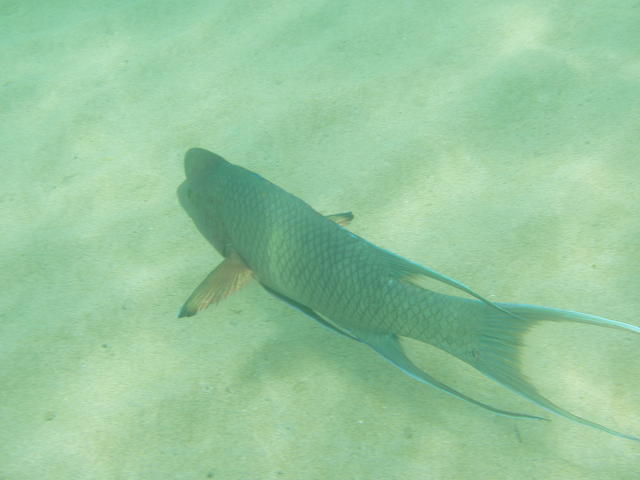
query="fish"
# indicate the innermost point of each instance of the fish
(315, 264)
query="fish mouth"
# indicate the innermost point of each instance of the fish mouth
(190, 200)
(184, 195)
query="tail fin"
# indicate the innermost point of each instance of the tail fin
(496, 350)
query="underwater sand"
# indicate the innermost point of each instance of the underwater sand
(494, 141)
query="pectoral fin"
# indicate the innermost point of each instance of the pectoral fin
(342, 219)
(230, 275)
(389, 347)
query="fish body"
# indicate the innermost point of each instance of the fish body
(351, 286)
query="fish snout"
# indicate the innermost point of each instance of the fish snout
(198, 162)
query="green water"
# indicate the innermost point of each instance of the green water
(497, 142)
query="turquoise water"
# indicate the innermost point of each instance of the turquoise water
(493, 141)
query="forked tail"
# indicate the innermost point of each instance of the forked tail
(495, 336)
(496, 349)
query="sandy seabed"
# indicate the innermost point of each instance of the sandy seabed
(494, 141)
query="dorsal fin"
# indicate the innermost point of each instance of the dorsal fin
(416, 274)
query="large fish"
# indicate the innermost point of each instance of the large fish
(352, 287)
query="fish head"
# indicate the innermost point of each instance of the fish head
(202, 194)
